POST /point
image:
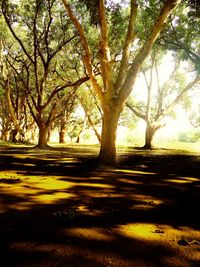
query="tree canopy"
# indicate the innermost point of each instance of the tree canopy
(47, 54)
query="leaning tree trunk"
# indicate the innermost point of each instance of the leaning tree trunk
(109, 132)
(149, 134)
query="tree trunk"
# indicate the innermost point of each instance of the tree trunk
(13, 135)
(5, 135)
(62, 129)
(149, 134)
(81, 130)
(107, 153)
(62, 137)
(43, 134)
(78, 138)
(48, 135)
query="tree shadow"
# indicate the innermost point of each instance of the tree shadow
(104, 216)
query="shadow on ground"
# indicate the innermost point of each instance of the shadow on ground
(60, 209)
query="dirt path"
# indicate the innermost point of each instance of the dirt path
(58, 209)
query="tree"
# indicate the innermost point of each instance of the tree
(192, 107)
(184, 37)
(162, 97)
(15, 99)
(68, 105)
(91, 107)
(42, 39)
(117, 82)
(5, 120)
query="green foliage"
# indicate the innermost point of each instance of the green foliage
(194, 6)
(182, 34)
(189, 137)
(118, 28)
(147, 14)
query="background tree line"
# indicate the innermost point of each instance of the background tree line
(58, 55)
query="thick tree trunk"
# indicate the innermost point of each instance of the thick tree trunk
(62, 137)
(149, 134)
(13, 135)
(43, 135)
(5, 135)
(107, 153)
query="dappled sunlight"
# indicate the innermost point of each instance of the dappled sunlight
(139, 230)
(97, 185)
(178, 181)
(128, 181)
(48, 183)
(157, 231)
(63, 206)
(67, 160)
(147, 202)
(92, 233)
(182, 180)
(132, 172)
(32, 190)
(165, 235)
(50, 198)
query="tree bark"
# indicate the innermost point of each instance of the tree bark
(62, 129)
(62, 137)
(13, 135)
(149, 134)
(5, 135)
(111, 115)
(43, 134)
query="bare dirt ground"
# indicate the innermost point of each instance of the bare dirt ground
(58, 208)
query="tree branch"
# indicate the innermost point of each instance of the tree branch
(4, 11)
(137, 113)
(106, 68)
(146, 48)
(86, 49)
(179, 97)
(130, 37)
(60, 88)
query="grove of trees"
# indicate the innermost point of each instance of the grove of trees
(56, 55)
